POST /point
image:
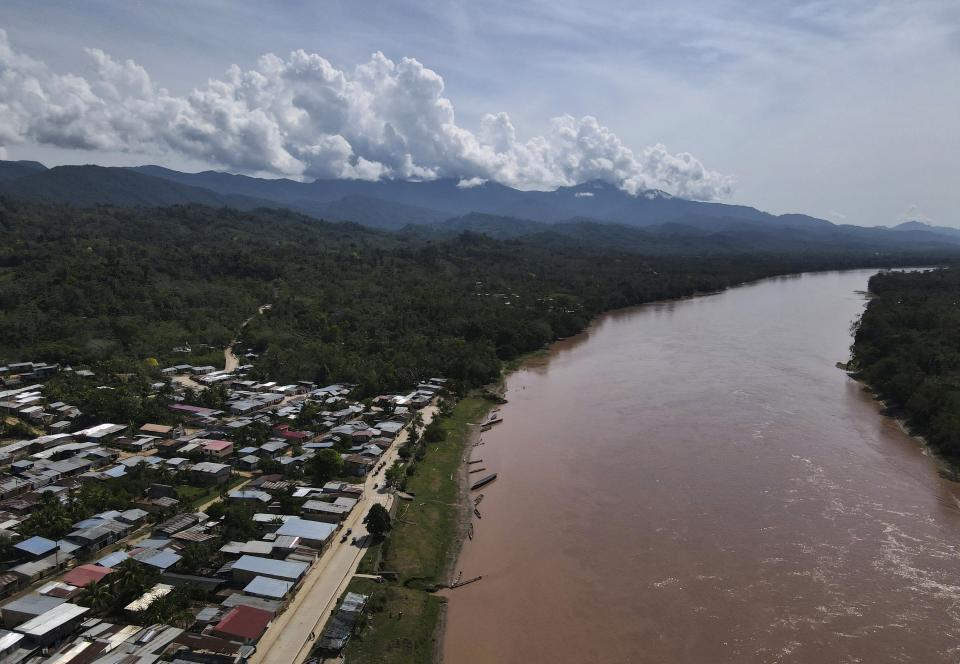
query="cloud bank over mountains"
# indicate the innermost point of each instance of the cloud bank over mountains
(301, 117)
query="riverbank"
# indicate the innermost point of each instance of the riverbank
(905, 353)
(946, 468)
(406, 618)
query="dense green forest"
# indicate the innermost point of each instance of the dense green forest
(89, 285)
(907, 348)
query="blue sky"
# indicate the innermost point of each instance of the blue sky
(845, 110)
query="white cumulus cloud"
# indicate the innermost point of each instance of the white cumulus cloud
(302, 117)
(470, 183)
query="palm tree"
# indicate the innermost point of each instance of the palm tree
(97, 596)
(164, 475)
(50, 519)
(132, 576)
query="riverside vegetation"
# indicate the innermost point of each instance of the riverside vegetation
(907, 349)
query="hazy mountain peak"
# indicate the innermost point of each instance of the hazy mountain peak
(654, 194)
(913, 224)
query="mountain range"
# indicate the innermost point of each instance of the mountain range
(592, 213)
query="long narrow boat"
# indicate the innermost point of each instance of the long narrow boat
(483, 482)
(494, 419)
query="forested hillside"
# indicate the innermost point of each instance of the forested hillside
(87, 285)
(907, 348)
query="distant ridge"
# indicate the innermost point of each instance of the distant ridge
(11, 170)
(446, 198)
(98, 185)
(593, 213)
(697, 235)
(929, 228)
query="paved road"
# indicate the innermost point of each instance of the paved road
(287, 641)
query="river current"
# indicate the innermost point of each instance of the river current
(696, 481)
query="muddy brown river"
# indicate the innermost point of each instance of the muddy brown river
(696, 481)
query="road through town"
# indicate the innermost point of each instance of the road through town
(230, 359)
(288, 639)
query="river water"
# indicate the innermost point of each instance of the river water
(696, 481)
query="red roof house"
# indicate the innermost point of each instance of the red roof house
(243, 623)
(84, 575)
(216, 448)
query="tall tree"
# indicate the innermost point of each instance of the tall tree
(378, 522)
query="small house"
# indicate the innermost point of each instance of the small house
(209, 472)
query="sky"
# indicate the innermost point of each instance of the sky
(848, 110)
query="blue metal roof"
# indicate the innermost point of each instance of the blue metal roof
(36, 545)
(67, 546)
(113, 559)
(162, 559)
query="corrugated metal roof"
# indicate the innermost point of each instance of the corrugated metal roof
(9, 639)
(244, 621)
(134, 514)
(113, 559)
(52, 619)
(33, 604)
(262, 586)
(252, 546)
(178, 523)
(86, 574)
(41, 566)
(208, 614)
(160, 559)
(147, 598)
(237, 599)
(311, 530)
(210, 467)
(250, 494)
(195, 534)
(268, 567)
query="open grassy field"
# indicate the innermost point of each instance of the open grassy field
(400, 627)
(425, 529)
(198, 495)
